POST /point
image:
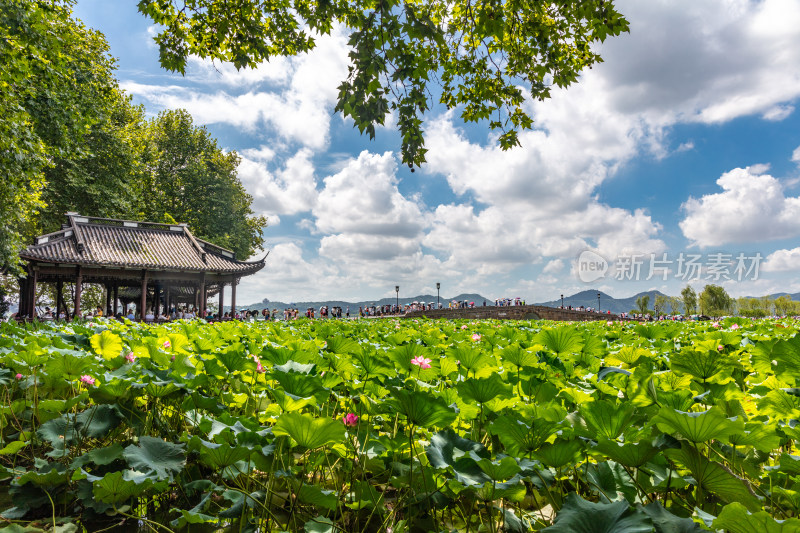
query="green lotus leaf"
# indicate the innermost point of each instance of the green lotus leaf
(162, 389)
(111, 392)
(421, 409)
(579, 516)
(790, 464)
(369, 364)
(519, 356)
(70, 364)
(309, 432)
(520, 438)
(156, 456)
(513, 523)
(469, 358)
(290, 402)
(504, 469)
(606, 419)
(107, 344)
(449, 451)
(512, 490)
(33, 356)
(319, 524)
(627, 355)
(298, 384)
(563, 340)
(780, 405)
(666, 522)
(697, 427)
(313, 495)
(341, 345)
(735, 518)
(99, 456)
(402, 356)
(755, 434)
(114, 489)
(610, 480)
(223, 455)
(705, 365)
(233, 360)
(296, 367)
(446, 447)
(559, 453)
(13, 447)
(483, 390)
(52, 475)
(631, 454)
(714, 477)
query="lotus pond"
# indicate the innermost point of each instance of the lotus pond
(400, 426)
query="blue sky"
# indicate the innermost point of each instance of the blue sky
(685, 140)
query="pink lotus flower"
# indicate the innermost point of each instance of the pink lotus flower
(464, 326)
(350, 420)
(87, 379)
(715, 324)
(130, 357)
(167, 345)
(18, 376)
(735, 326)
(720, 348)
(609, 323)
(259, 368)
(476, 337)
(422, 362)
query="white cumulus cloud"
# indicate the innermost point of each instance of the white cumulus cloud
(752, 207)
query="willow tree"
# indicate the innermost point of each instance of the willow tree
(484, 58)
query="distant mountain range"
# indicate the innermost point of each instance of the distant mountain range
(587, 298)
(427, 298)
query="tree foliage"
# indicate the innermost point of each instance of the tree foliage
(189, 178)
(55, 77)
(715, 301)
(478, 55)
(71, 140)
(689, 298)
(642, 303)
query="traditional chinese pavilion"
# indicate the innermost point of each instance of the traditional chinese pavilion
(147, 264)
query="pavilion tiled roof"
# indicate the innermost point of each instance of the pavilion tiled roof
(90, 241)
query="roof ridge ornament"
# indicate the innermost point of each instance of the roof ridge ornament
(74, 218)
(200, 250)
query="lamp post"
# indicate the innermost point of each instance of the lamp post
(438, 285)
(598, 301)
(562, 301)
(397, 293)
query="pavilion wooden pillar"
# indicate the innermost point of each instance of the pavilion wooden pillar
(233, 296)
(78, 291)
(156, 299)
(116, 296)
(222, 299)
(34, 279)
(60, 299)
(108, 300)
(23, 297)
(143, 308)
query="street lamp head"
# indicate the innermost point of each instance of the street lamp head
(397, 288)
(438, 285)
